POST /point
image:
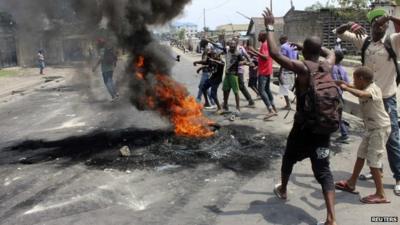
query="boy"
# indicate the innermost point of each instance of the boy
(339, 74)
(377, 124)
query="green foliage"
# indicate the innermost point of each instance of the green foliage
(314, 7)
(355, 4)
(181, 34)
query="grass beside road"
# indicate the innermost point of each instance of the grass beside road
(7, 73)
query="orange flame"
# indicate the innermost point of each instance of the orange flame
(183, 111)
(139, 65)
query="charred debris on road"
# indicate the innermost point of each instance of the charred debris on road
(235, 147)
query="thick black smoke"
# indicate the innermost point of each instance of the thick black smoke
(127, 19)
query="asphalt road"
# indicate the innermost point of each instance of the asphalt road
(60, 163)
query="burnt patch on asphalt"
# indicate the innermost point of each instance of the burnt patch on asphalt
(239, 148)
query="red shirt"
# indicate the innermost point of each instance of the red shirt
(264, 66)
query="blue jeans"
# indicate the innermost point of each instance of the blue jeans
(393, 144)
(108, 81)
(204, 77)
(265, 91)
(343, 128)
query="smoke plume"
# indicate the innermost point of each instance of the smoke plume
(128, 20)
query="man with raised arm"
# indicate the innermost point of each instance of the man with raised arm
(303, 142)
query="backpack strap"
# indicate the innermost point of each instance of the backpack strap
(364, 48)
(393, 56)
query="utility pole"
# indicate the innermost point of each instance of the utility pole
(271, 5)
(204, 21)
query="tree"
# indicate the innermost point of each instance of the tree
(318, 6)
(182, 34)
(356, 4)
(314, 7)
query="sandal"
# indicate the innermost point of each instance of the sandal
(344, 186)
(373, 199)
(396, 190)
(278, 193)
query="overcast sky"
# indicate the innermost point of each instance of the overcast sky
(219, 12)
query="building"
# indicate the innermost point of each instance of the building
(62, 36)
(190, 28)
(8, 54)
(299, 26)
(232, 29)
(257, 25)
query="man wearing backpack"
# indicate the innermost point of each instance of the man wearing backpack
(308, 138)
(108, 61)
(379, 53)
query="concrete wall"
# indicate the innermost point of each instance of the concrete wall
(301, 24)
(8, 55)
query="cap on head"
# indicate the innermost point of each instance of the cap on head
(375, 13)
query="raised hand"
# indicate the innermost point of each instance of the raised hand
(357, 29)
(268, 17)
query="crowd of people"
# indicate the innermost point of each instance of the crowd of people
(318, 86)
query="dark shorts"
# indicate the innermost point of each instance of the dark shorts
(302, 144)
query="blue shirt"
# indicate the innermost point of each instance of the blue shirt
(289, 51)
(338, 73)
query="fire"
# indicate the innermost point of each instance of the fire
(172, 100)
(139, 67)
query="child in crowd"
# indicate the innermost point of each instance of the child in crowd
(377, 124)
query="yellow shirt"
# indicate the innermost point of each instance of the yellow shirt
(377, 59)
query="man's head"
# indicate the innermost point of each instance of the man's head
(363, 77)
(232, 45)
(262, 36)
(312, 47)
(378, 30)
(339, 56)
(283, 39)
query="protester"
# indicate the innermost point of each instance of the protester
(377, 124)
(253, 75)
(205, 75)
(340, 74)
(286, 77)
(41, 61)
(303, 141)
(242, 87)
(265, 73)
(108, 61)
(205, 60)
(379, 53)
(217, 71)
(233, 59)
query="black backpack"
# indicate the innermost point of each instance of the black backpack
(389, 48)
